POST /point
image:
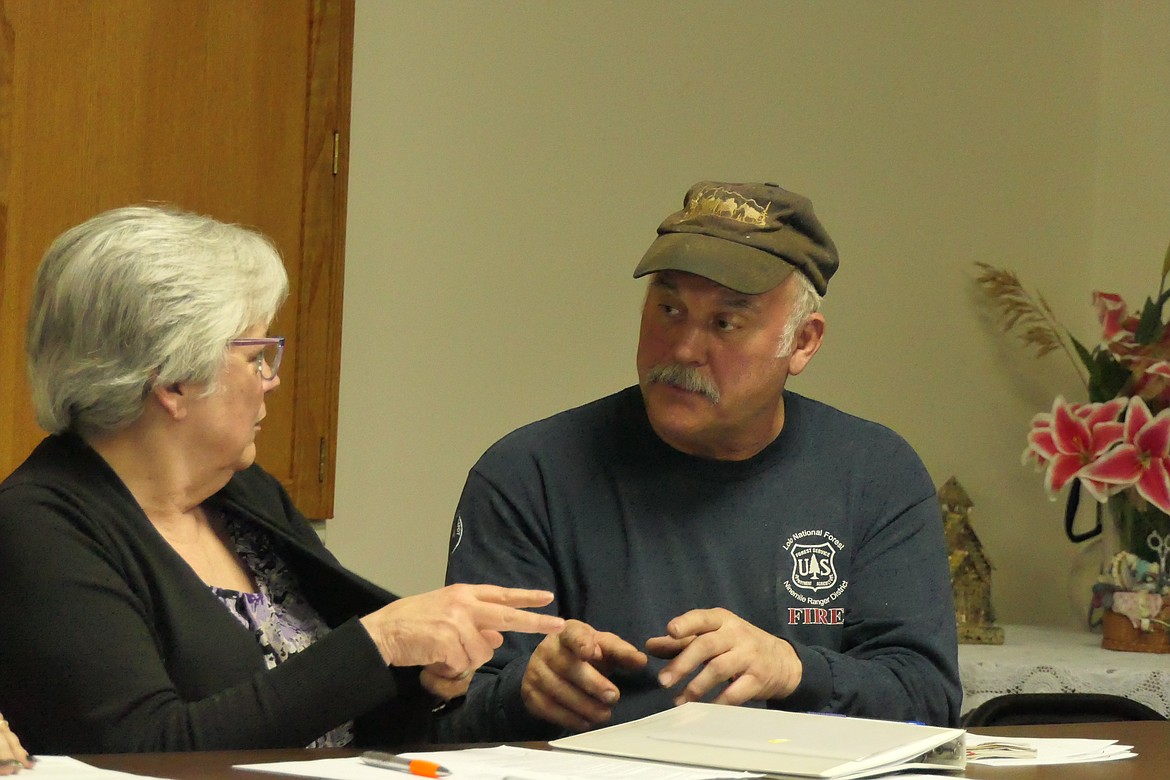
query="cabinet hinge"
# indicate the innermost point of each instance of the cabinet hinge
(323, 453)
(336, 150)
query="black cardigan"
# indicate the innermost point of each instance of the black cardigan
(109, 642)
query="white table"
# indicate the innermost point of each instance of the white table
(1036, 659)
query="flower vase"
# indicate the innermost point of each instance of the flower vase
(1136, 614)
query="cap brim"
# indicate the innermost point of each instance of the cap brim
(737, 267)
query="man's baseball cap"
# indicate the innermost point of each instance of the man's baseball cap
(746, 237)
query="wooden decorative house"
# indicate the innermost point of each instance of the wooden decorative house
(970, 569)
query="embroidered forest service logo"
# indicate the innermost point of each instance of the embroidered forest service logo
(813, 579)
(812, 566)
(722, 202)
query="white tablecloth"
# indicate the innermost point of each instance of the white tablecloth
(1048, 660)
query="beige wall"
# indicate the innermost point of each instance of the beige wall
(510, 161)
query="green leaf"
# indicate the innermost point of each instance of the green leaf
(1107, 378)
(1150, 326)
(1166, 264)
(1084, 354)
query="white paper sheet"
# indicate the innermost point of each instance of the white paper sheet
(65, 768)
(500, 763)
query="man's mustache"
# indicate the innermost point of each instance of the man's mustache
(686, 378)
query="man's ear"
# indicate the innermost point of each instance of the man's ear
(173, 399)
(808, 341)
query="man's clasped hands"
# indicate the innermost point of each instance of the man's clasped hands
(567, 679)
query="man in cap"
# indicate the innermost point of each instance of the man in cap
(709, 534)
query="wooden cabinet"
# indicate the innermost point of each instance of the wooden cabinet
(235, 109)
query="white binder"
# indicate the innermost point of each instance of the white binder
(775, 742)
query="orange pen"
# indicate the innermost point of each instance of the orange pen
(414, 766)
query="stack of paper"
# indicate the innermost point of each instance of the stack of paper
(696, 741)
(1034, 751)
(708, 742)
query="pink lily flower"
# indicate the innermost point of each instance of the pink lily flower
(1150, 372)
(1070, 438)
(1143, 459)
(1152, 382)
(1161, 368)
(1041, 425)
(1112, 313)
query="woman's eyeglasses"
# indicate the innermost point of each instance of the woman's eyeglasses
(268, 361)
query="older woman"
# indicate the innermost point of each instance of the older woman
(13, 756)
(159, 590)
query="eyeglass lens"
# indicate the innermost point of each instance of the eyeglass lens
(271, 356)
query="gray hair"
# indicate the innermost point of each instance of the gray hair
(138, 296)
(806, 301)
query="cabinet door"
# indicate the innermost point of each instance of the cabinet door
(235, 109)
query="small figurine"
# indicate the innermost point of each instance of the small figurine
(970, 569)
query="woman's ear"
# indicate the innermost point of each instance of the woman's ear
(173, 398)
(808, 341)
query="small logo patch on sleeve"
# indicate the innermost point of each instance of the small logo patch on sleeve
(456, 532)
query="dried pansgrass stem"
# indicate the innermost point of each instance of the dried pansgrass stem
(1028, 315)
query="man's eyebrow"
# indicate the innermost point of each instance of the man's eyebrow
(733, 300)
(741, 303)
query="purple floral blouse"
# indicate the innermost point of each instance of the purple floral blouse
(278, 615)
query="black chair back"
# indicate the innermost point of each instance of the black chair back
(1032, 709)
